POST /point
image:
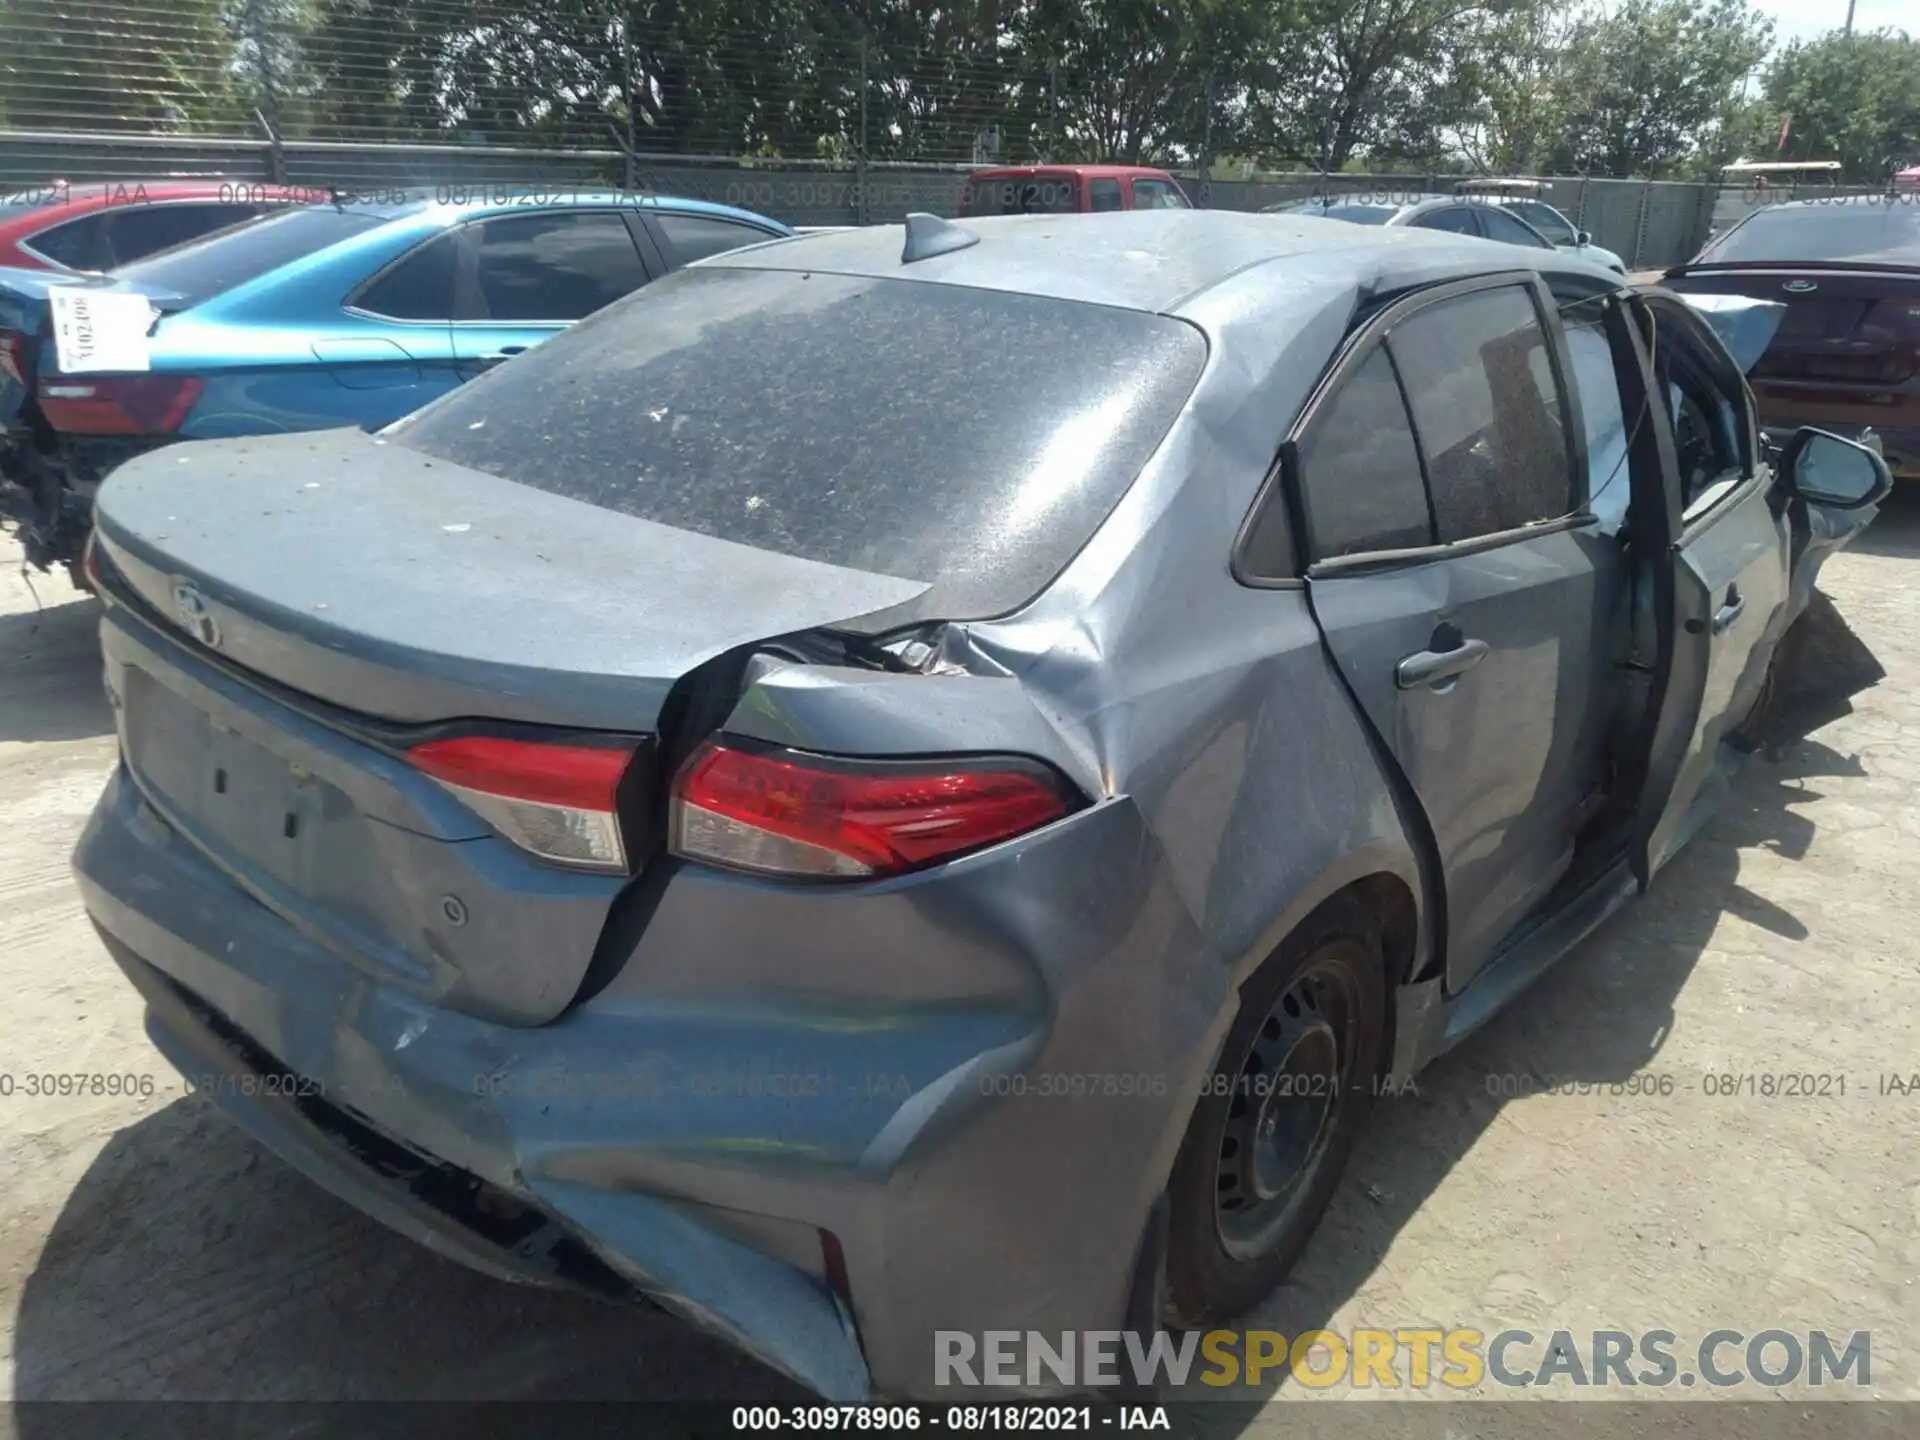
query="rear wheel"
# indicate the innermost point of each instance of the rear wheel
(1272, 1133)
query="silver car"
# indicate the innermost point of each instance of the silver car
(1511, 220)
(898, 782)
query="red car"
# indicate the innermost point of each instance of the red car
(99, 224)
(1847, 354)
(1070, 189)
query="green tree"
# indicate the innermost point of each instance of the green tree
(1640, 87)
(101, 65)
(1851, 98)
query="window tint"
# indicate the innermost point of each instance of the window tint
(419, 287)
(1490, 422)
(137, 231)
(1105, 194)
(1157, 195)
(1360, 470)
(246, 252)
(554, 266)
(1456, 219)
(1547, 220)
(79, 244)
(969, 438)
(694, 237)
(1594, 376)
(1503, 227)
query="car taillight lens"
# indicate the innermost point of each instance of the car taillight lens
(559, 801)
(90, 562)
(782, 812)
(120, 405)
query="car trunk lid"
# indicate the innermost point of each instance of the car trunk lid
(305, 618)
(27, 330)
(395, 585)
(1844, 326)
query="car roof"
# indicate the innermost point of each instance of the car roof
(1151, 260)
(1096, 172)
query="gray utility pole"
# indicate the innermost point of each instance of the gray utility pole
(1850, 4)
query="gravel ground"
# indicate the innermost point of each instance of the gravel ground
(148, 1250)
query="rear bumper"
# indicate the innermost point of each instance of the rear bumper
(767, 1172)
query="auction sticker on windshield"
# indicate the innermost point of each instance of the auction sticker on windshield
(100, 330)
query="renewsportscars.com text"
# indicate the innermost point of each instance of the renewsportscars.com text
(1412, 1357)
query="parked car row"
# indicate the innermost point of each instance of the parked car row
(302, 317)
(899, 780)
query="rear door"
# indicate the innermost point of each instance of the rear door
(1730, 571)
(525, 278)
(1454, 572)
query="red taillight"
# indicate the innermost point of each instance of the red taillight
(787, 813)
(557, 800)
(119, 405)
(90, 562)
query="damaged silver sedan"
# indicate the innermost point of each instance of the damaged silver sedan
(875, 789)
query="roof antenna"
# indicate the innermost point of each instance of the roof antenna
(929, 235)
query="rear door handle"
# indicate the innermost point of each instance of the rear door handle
(1729, 612)
(1430, 667)
(505, 352)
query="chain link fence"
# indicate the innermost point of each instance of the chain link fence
(819, 114)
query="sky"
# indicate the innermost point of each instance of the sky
(1804, 19)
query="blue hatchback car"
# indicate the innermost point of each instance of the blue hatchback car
(314, 317)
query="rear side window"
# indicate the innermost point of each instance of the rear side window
(1597, 380)
(694, 237)
(1503, 227)
(1157, 195)
(232, 258)
(1457, 220)
(138, 231)
(1021, 195)
(969, 438)
(79, 244)
(1104, 194)
(554, 266)
(1360, 469)
(1490, 420)
(419, 287)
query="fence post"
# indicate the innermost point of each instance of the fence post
(628, 162)
(1203, 179)
(860, 151)
(1640, 225)
(276, 158)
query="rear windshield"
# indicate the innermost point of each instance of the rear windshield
(201, 269)
(1339, 210)
(972, 439)
(1025, 195)
(1884, 229)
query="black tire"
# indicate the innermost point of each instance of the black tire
(1240, 1212)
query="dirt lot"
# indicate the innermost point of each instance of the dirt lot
(148, 1250)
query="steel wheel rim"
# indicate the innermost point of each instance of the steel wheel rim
(1284, 1109)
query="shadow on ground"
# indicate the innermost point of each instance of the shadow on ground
(50, 669)
(190, 1264)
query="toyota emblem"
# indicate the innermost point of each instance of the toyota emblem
(1800, 287)
(191, 606)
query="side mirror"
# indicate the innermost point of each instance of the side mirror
(1825, 469)
(1583, 237)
